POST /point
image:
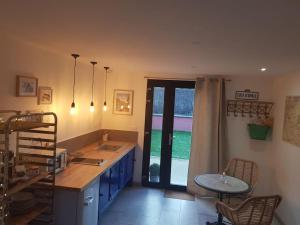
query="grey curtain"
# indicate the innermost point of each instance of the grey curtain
(208, 151)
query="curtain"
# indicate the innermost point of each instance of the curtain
(208, 134)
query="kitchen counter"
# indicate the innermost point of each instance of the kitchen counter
(78, 176)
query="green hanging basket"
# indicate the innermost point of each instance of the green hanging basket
(258, 132)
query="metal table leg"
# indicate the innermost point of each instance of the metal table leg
(220, 216)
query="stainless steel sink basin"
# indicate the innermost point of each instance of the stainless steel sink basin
(108, 147)
(88, 161)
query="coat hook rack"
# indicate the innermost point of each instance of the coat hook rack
(242, 108)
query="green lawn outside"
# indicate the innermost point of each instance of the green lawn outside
(181, 144)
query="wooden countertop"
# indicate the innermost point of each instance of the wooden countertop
(78, 176)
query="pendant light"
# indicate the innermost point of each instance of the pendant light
(92, 107)
(105, 104)
(73, 107)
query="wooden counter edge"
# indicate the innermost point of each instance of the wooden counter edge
(129, 146)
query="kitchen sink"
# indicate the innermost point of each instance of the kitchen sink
(108, 147)
(88, 161)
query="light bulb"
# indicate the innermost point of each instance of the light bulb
(73, 109)
(104, 107)
(92, 107)
(263, 69)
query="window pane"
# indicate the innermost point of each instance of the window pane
(156, 134)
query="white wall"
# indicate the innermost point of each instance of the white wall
(120, 79)
(54, 70)
(286, 157)
(240, 145)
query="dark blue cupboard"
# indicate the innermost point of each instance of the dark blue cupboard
(129, 167)
(123, 172)
(115, 179)
(104, 190)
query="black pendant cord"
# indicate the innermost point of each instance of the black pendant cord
(105, 86)
(106, 68)
(74, 80)
(74, 75)
(93, 81)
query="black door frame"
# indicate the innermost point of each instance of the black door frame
(167, 134)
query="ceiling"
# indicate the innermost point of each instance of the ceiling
(231, 37)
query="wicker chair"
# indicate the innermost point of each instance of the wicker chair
(244, 170)
(253, 211)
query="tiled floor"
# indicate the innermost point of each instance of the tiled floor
(145, 206)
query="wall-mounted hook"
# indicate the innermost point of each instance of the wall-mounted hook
(241, 108)
(235, 114)
(258, 116)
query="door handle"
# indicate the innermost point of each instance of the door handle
(88, 200)
(170, 139)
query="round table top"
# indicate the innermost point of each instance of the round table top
(222, 184)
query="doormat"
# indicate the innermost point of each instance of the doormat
(179, 195)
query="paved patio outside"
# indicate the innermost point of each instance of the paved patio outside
(179, 170)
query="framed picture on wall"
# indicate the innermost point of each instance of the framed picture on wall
(123, 102)
(291, 127)
(26, 86)
(45, 95)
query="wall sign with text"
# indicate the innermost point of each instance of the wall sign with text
(247, 95)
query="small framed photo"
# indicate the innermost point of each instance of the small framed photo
(45, 95)
(123, 102)
(26, 86)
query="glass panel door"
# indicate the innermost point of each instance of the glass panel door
(156, 134)
(167, 138)
(182, 135)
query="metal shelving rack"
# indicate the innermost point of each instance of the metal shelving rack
(35, 144)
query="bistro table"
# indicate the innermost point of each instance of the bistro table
(222, 185)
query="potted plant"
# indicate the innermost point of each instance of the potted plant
(259, 130)
(154, 172)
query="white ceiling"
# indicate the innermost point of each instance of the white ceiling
(188, 36)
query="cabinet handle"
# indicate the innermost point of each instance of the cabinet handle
(88, 200)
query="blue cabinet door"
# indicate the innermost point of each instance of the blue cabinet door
(114, 180)
(123, 171)
(104, 191)
(130, 166)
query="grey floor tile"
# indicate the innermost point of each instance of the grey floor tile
(173, 205)
(146, 206)
(109, 218)
(147, 220)
(169, 218)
